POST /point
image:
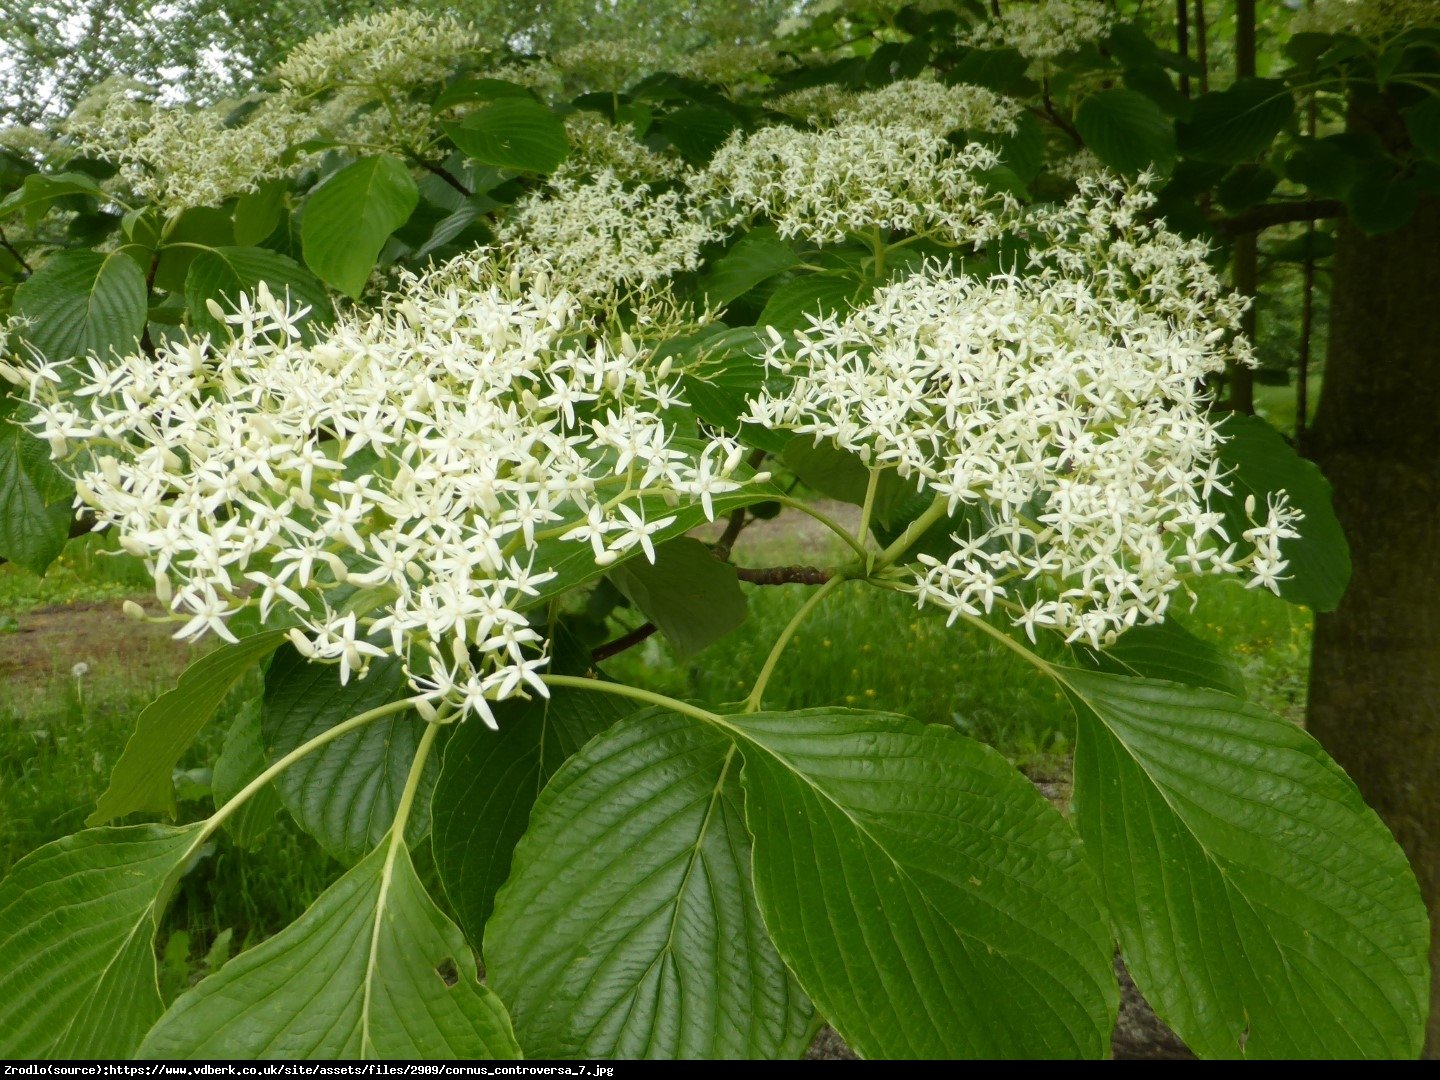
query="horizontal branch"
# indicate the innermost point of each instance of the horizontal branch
(783, 575)
(620, 644)
(1265, 215)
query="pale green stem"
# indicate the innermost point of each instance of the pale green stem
(303, 750)
(933, 513)
(824, 519)
(752, 703)
(412, 785)
(634, 693)
(869, 507)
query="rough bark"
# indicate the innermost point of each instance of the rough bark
(1375, 674)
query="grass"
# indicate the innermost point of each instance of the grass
(60, 733)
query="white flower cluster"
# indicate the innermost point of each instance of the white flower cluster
(181, 156)
(934, 107)
(921, 103)
(729, 64)
(827, 185)
(1059, 414)
(1366, 18)
(386, 50)
(596, 145)
(389, 487)
(1045, 29)
(607, 65)
(599, 235)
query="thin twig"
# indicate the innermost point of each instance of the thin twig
(8, 246)
(620, 644)
(444, 174)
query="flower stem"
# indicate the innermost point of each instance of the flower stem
(752, 703)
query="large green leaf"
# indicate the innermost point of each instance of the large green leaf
(372, 970)
(1263, 463)
(224, 274)
(1167, 651)
(697, 131)
(628, 927)
(77, 941)
(692, 597)
(82, 302)
(513, 133)
(39, 192)
(241, 760)
(927, 897)
(793, 305)
(756, 257)
(723, 371)
(489, 781)
(258, 213)
(1262, 908)
(35, 500)
(1238, 123)
(141, 779)
(349, 217)
(1127, 131)
(345, 793)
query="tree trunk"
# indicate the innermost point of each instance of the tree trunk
(1375, 671)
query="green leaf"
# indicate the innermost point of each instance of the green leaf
(697, 131)
(1262, 908)
(372, 970)
(77, 941)
(1239, 123)
(196, 229)
(489, 781)
(223, 274)
(258, 213)
(1263, 463)
(1127, 131)
(1381, 199)
(39, 192)
(693, 597)
(1155, 83)
(241, 760)
(464, 91)
(1245, 186)
(723, 370)
(1167, 651)
(628, 927)
(927, 897)
(756, 257)
(1324, 166)
(840, 474)
(512, 133)
(141, 779)
(792, 305)
(1002, 70)
(345, 793)
(35, 500)
(1422, 121)
(82, 302)
(348, 218)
